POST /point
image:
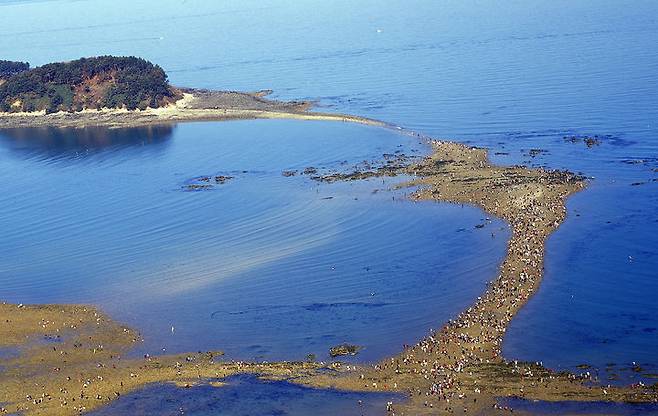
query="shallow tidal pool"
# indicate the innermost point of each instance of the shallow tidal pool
(261, 265)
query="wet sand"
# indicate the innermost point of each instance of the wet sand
(70, 356)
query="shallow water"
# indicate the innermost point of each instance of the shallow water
(262, 266)
(247, 395)
(579, 408)
(511, 76)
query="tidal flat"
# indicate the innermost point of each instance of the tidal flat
(456, 369)
(529, 81)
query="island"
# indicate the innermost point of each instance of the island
(86, 83)
(458, 369)
(128, 92)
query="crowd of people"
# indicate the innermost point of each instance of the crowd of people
(532, 202)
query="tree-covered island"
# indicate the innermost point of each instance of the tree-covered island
(86, 83)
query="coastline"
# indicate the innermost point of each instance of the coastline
(457, 369)
(196, 105)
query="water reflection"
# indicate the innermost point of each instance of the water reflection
(55, 142)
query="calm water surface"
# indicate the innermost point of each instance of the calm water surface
(511, 77)
(263, 266)
(242, 394)
(580, 408)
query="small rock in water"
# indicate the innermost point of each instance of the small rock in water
(197, 187)
(344, 349)
(221, 179)
(591, 141)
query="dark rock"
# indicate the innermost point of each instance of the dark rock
(197, 187)
(221, 179)
(591, 141)
(344, 349)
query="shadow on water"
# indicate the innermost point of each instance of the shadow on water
(242, 395)
(578, 408)
(54, 142)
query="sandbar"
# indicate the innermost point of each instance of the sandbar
(71, 357)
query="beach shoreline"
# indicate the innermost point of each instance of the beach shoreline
(455, 370)
(195, 105)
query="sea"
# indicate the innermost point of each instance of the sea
(274, 267)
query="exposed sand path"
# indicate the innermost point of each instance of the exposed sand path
(459, 369)
(196, 105)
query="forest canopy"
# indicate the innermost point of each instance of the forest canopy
(86, 83)
(9, 68)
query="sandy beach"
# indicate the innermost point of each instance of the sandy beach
(457, 369)
(195, 105)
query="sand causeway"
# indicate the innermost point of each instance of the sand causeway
(71, 357)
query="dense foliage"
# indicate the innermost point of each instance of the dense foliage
(105, 81)
(9, 68)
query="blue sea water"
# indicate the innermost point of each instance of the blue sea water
(509, 76)
(263, 266)
(245, 394)
(579, 408)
